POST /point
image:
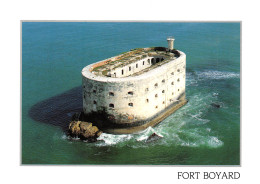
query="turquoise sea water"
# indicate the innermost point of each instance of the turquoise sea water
(53, 55)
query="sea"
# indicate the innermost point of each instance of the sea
(199, 133)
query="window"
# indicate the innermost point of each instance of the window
(111, 94)
(146, 89)
(156, 85)
(130, 92)
(162, 59)
(122, 72)
(136, 65)
(111, 105)
(156, 106)
(163, 81)
(163, 102)
(178, 70)
(157, 60)
(178, 89)
(172, 93)
(94, 91)
(172, 73)
(156, 95)
(148, 61)
(84, 96)
(130, 104)
(147, 100)
(163, 91)
(129, 68)
(143, 62)
(153, 61)
(178, 80)
(94, 102)
(172, 83)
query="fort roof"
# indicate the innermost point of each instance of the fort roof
(104, 68)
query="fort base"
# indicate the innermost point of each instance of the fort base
(155, 121)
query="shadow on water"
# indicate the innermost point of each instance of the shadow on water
(59, 109)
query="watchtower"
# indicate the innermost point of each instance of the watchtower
(170, 40)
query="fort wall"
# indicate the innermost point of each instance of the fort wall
(127, 99)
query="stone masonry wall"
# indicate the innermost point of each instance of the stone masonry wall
(134, 98)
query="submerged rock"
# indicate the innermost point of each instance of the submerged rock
(215, 105)
(153, 137)
(84, 131)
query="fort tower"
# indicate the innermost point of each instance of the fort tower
(170, 40)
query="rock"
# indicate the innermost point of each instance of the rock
(215, 105)
(153, 137)
(84, 131)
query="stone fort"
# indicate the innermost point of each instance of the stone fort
(137, 89)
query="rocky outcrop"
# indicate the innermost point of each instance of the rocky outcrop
(84, 131)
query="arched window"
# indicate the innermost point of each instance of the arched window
(172, 83)
(129, 68)
(111, 105)
(147, 100)
(111, 94)
(156, 85)
(143, 62)
(178, 80)
(130, 104)
(153, 61)
(122, 72)
(156, 95)
(163, 81)
(163, 91)
(136, 65)
(172, 73)
(130, 92)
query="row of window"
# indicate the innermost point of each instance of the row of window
(148, 61)
(131, 93)
(146, 89)
(131, 104)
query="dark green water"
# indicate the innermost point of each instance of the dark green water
(53, 55)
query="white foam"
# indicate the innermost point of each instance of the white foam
(111, 139)
(217, 75)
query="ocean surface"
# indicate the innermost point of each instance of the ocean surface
(53, 55)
